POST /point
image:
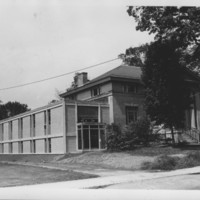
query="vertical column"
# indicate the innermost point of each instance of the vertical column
(111, 111)
(64, 126)
(99, 113)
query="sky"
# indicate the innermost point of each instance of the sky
(41, 39)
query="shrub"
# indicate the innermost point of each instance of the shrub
(190, 160)
(125, 138)
(162, 163)
(118, 140)
(173, 162)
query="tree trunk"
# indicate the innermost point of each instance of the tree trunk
(172, 132)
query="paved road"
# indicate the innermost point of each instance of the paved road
(181, 182)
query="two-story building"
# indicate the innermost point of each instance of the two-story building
(120, 87)
(78, 122)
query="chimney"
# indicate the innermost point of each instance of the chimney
(80, 79)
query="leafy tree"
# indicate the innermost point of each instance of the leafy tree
(135, 56)
(180, 24)
(11, 109)
(167, 92)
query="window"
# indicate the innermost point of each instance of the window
(49, 116)
(130, 88)
(10, 147)
(20, 147)
(87, 114)
(33, 121)
(21, 128)
(95, 91)
(45, 122)
(131, 114)
(91, 136)
(49, 141)
(48, 145)
(33, 147)
(10, 130)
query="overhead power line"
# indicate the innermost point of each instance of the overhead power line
(54, 77)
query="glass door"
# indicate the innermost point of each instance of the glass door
(91, 136)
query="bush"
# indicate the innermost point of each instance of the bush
(118, 140)
(170, 163)
(162, 163)
(129, 135)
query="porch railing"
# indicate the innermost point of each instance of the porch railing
(194, 134)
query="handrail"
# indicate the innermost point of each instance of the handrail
(194, 134)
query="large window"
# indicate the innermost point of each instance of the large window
(91, 136)
(87, 114)
(131, 114)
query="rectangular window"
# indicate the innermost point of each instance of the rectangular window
(45, 122)
(131, 114)
(33, 131)
(49, 145)
(20, 147)
(49, 116)
(95, 91)
(87, 114)
(21, 128)
(33, 147)
(10, 147)
(130, 88)
(10, 130)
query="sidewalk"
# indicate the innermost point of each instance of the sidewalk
(109, 180)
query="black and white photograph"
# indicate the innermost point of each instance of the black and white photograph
(99, 99)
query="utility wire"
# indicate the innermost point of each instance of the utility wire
(53, 77)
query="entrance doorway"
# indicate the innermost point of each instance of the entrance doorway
(91, 136)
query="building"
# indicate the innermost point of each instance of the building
(121, 88)
(63, 127)
(78, 122)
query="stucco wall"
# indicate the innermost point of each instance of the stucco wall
(71, 120)
(15, 129)
(57, 145)
(6, 148)
(39, 124)
(6, 136)
(83, 95)
(26, 147)
(71, 144)
(57, 121)
(40, 146)
(105, 115)
(15, 147)
(26, 127)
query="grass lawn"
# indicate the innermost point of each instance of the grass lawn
(15, 175)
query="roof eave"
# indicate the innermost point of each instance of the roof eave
(97, 82)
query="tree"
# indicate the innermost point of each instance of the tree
(11, 109)
(167, 92)
(135, 56)
(180, 24)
